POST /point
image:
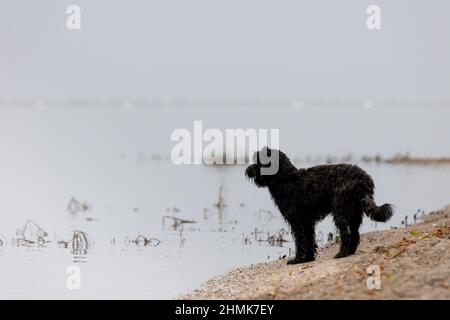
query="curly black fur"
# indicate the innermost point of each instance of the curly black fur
(306, 196)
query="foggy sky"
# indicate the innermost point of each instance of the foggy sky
(224, 49)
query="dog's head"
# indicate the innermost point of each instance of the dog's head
(267, 164)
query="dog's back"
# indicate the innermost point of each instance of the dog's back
(338, 178)
(324, 189)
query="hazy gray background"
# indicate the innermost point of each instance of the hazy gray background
(117, 158)
(224, 49)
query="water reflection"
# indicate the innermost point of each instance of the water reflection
(74, 206)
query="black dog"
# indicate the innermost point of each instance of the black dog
(306, 196)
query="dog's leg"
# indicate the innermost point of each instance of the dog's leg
(305, 243)
(344, 233)
(354, 231)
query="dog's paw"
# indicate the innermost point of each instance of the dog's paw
(342, 254)
(297, 260)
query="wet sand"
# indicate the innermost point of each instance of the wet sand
(414, 263)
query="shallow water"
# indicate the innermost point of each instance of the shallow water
(117, 162)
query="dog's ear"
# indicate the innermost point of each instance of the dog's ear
(266, 151)
(265, 156)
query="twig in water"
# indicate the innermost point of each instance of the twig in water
(80, 242)
(246, 239)
(176, 221)
(31, 233)
(220, 204)
(142, 241)
(278, 238)
(2, 241)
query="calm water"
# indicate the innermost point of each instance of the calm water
(117, 162)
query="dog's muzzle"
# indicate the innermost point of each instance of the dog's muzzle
(252, 171)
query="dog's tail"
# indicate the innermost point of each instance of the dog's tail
(377, 213)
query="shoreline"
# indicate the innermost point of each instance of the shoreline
(414, 262)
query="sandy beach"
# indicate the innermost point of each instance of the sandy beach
(414, 263)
